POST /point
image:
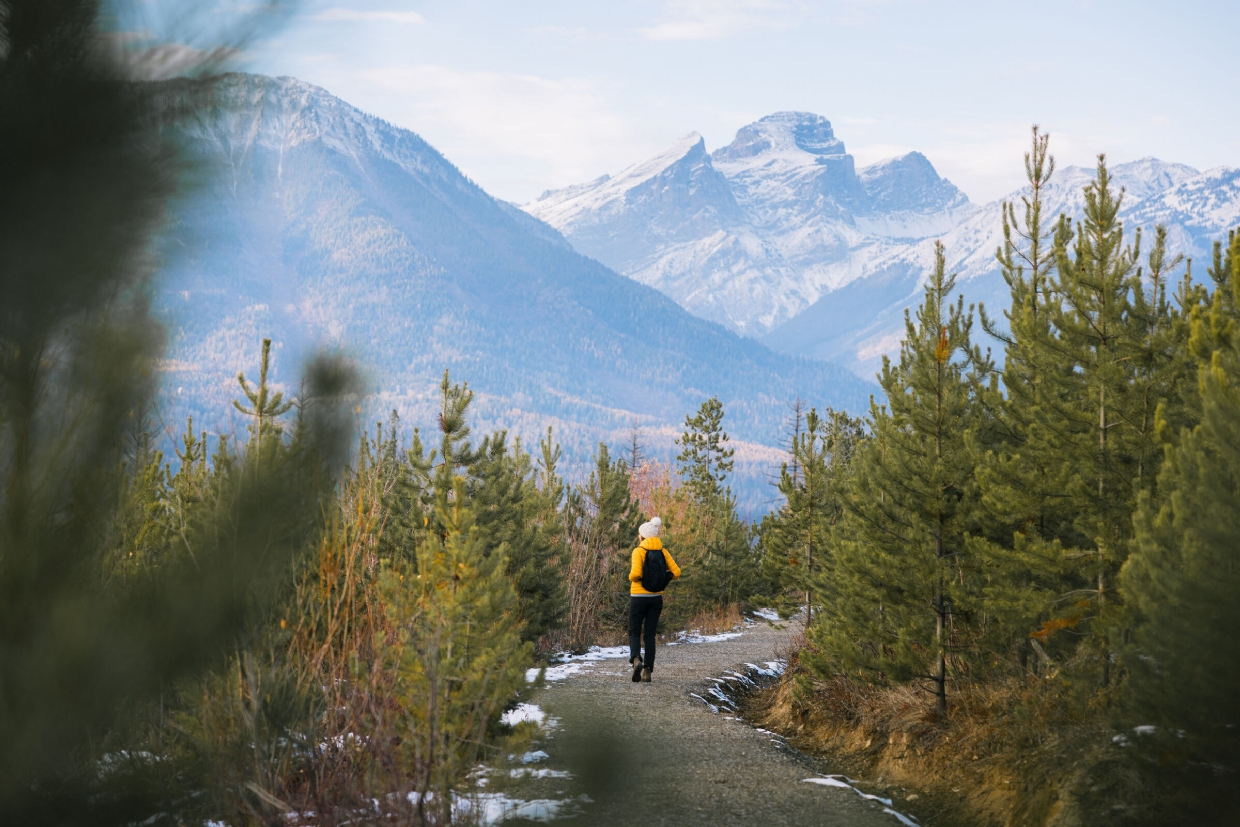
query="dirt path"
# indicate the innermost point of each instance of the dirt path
(653, 754)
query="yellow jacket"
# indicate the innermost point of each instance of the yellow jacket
(639, 559)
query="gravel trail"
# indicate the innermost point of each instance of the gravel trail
(653, 754)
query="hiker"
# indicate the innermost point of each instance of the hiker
(653, 568)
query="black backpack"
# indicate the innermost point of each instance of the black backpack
(655, 574)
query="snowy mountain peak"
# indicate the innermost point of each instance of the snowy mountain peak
(563, 207)
(910, 184)
(1147, 176)
(670, 199)
(691, 148)
(753, 233)
(783, 133)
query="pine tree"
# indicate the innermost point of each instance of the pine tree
(549, 481)
(705, 458)
(514, 516)
(1181, 582)
(1072, 437)
(796, 542)
(1164, 375)
(457, 655)
(795, 425)
(1094, 446)
(88, 165)
(265, 406)
(1016, 442)
(902, 588)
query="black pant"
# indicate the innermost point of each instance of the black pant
(644, 607)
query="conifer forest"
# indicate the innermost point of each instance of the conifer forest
(1025, 549)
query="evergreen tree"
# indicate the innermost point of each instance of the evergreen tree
(265, 406)
(795, 425)
(796, 542)
(87, 169)
(457, 654)
(705, 458)
(1096, 445)
(902, 588)
(1181, 582)
(1071, 438)
(549, 481)
(1016, 442)
(1164, 373)
(515, 518)
(606, 500)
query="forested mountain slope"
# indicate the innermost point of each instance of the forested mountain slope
(319, 225)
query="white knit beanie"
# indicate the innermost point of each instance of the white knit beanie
(650, 529)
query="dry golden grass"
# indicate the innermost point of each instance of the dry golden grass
(716, 620)
(1018, 753)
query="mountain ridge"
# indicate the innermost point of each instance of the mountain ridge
(784, 204)
(319, 226)
(829, 256)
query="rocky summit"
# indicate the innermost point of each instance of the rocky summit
(755, 232)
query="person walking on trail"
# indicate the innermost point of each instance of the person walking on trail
(653, 568)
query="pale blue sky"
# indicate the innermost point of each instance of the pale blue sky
(524, 96)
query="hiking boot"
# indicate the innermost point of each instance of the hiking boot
(645, 674)
(637, 668)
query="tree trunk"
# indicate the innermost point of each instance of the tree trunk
(940, 672)
(1106, 655)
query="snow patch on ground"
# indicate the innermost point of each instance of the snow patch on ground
(566, 664)
(493, 808)
(694, 636)
(526, 772)
(729, 682)
(527, 713)
(1145, 729)
(844, 783)
(767, 614)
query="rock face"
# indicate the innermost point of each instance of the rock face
(318, 225)
(757, 231)
(789, 243)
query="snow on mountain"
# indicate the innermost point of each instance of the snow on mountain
(778, 236)
(1202, 207)
(858, 324)
(908, 199)
(759, 230)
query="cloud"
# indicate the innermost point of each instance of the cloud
(717, 19)
(339, 15)
(516, 133)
